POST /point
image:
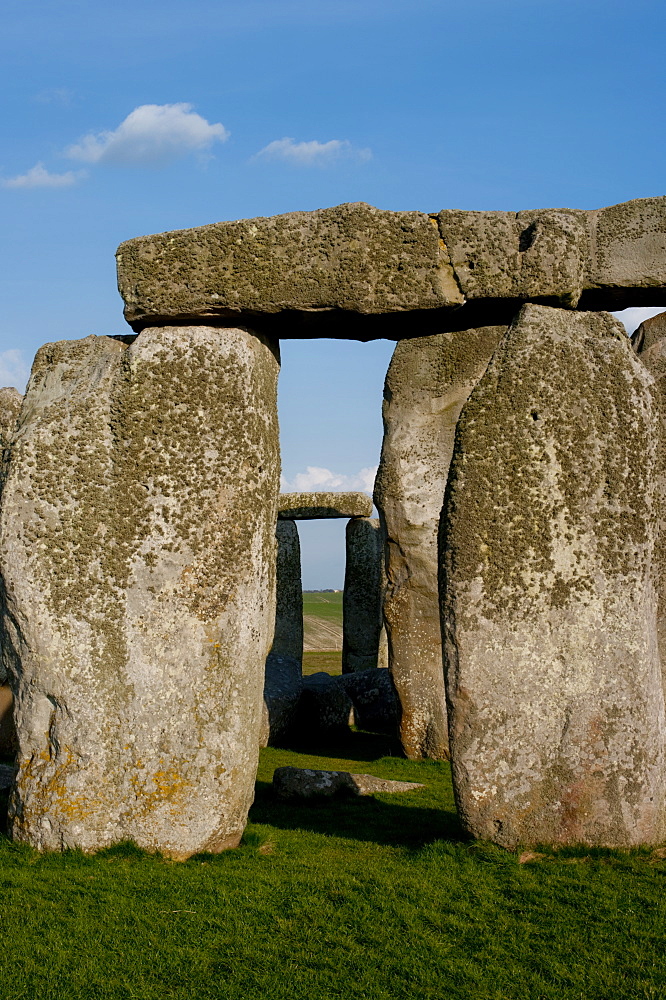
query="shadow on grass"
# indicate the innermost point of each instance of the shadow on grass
(364, 818)
(349, 744)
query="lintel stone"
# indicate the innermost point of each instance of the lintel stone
(339, 272)
(318, 506)
(353, 257)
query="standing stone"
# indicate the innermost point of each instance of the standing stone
(428, 381)
(649, 341)
(363, 636)
(284, 663)
(138, 551)
(548, 591)
(10, 407)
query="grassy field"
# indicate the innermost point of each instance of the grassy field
(322, 624)
(324, 604)
(329, 661)
(379, 898)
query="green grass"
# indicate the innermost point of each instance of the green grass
(324, 605)
(329, 661)
(379, 898)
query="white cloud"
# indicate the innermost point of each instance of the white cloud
(317, 479)
(14, 369)
(633, 317)
(312, 154)
(152, 134)
(39, 176)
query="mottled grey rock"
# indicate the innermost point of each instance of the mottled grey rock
(556, 706)
(366, 261)
(650, 332)
(649, 340)
(363, 597)
(324, 707)
(284, 664)
(627, 254)
(315, 506)
(524, 255)
(10, 407)
(137, 549)
(374, 699)
(299, 783)
(611, 257)
(352, 257)
(428, 381)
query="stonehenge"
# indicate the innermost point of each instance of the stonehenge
(521, 498)
(320, 703)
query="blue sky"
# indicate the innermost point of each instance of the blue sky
(140, 117)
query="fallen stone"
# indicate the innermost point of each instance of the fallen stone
(137, 551)
(299, 783)
(556, 706)
(353, 257)
(374, 700)
(364, 645)
(315, 506)
(428, 382)
(284, 664)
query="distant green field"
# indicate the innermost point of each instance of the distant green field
(324, 605)
(314, 662)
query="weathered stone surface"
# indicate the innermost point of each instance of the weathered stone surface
(428, 381)
(524, 255)
(324, 707)
(10, 407)
(315, 506)
(649, 340)
(299, 783)
(374, 700)
(370, 262)
(352, 257)
(363, 636)
(650, 332)
(611, 257)
(284, 664)
(628, 254)
(556, 706)
(137, 550)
